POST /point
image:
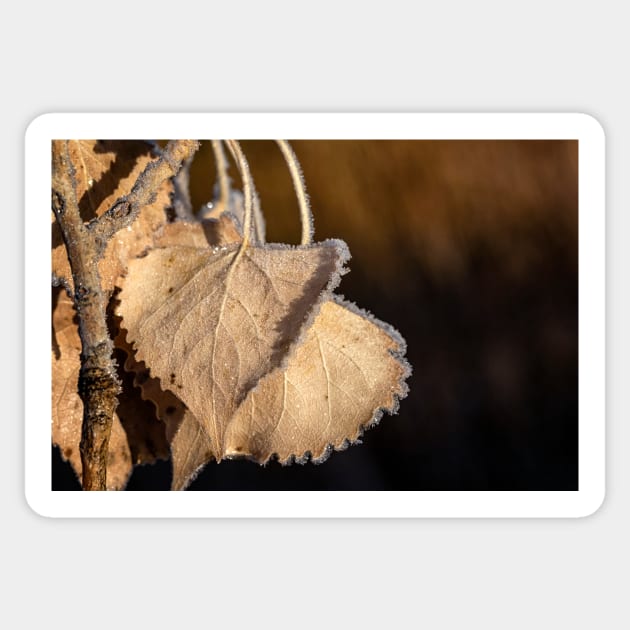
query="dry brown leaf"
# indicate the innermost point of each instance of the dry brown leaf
(347, 357)
(210, 329)
(347, 372)
(191, 450)
(146, 440)
(105, 171)
(146, 435)
(67, 408)
(189, 445)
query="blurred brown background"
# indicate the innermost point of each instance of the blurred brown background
(469, 249)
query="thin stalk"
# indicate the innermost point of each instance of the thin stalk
(300, 190)
(224, 202)
(222, 174)
(248, 192)
(259, 220)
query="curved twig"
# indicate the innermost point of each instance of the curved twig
(248, 190)
(300, 190)
(222, 172)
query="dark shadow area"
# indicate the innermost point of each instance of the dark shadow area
(62, 474)
(155, 476)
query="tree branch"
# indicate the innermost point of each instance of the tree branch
(125, 209)
(98, 383)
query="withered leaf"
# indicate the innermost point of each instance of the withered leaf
(146, 435)
(210, 322)
(104, 171)
(191, 450)
(347, 372)
(67, 408)
(189, 444)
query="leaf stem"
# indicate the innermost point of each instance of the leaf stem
(259, 220)
(248, 191)
(222, 175)
(300, 190)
